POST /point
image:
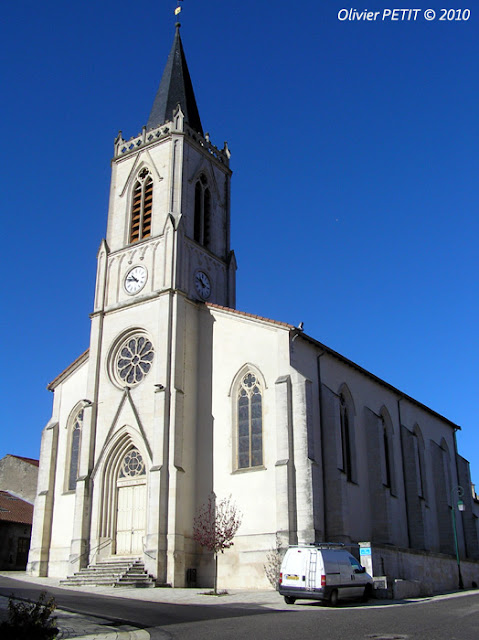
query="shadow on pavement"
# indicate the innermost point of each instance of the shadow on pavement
(122, 611)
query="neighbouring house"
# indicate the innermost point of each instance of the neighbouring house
(18, 488)
(19, 476)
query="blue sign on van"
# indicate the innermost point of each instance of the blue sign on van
(365, 551)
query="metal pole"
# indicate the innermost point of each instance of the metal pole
(460, 493)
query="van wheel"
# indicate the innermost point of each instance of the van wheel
(368, 592)
(333, 598)
(289, 599)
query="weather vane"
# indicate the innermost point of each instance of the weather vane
(178, 7)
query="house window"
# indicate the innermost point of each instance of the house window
(141, 207)
(77, 427)
(250, 423)
(202, 220)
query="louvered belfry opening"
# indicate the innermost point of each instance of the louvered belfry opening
(141, 207)
(148, 201)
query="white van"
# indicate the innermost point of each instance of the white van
(322, 571)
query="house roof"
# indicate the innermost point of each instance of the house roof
(175, 88)
(13, 509)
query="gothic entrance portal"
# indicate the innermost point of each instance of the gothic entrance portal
(131, 505)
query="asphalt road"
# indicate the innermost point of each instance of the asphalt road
(455, 618)
(451, 619)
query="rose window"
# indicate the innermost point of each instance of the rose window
(134, 360)
(132, 465)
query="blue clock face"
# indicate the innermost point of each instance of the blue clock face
(202, 285)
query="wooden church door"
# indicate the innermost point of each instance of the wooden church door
(131, 505)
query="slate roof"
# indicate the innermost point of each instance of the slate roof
(337, 355)
(13, 509)
(175, 88)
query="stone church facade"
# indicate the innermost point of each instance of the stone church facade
(180, 395)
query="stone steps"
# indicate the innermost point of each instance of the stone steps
(113, 572)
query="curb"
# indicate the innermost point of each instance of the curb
(140, 634)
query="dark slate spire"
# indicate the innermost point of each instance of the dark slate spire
(175, 87)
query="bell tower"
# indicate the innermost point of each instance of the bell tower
(169, 212)
(166, 252)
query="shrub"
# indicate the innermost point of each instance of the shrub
(274, 560)
(30, 620)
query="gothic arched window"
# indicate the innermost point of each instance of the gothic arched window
(386, 436)
(141, 207)
(202, 220)
(419, 453)
(346, 438)
(74, 453)
(387, 458)
(346, 448)
(250, 422)
(446, 468)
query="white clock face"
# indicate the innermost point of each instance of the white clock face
(202, 285)
(135, 280)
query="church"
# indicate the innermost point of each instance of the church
(180, 395)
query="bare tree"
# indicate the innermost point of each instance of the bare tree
(215, 526)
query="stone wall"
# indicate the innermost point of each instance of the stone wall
(435, 572)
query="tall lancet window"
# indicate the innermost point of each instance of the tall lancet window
(346, 452)
(76, 429)
(202, 223)
(250, 422)
(388, 452)
(141, 207)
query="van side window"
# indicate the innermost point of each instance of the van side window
(354, 563)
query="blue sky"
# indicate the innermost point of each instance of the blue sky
(354, 202)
